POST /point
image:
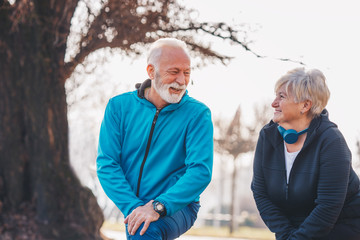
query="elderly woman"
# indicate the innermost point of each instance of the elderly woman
(303, 182)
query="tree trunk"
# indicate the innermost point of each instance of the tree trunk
(40, 197)
(232, 202)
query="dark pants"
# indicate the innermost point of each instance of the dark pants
(348, 229)
(169, 227)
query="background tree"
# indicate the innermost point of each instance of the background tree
(41, 44)
(233, 142)
(236, 139)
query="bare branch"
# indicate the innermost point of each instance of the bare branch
(129, 25)
(232, 139)
(219, 30)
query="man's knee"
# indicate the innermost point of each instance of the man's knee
(152, 233)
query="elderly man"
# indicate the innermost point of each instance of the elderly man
(155, 149)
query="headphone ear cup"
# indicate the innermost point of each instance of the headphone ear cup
(290, 136)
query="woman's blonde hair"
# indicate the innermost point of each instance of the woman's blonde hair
(306, 85)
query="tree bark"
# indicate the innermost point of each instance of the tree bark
(40, 196)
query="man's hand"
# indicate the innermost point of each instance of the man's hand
(143, 214)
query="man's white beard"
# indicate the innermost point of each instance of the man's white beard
(163, 90)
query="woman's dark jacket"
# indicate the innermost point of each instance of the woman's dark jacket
(322, 190)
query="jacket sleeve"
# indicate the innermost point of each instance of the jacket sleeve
(272, 216)
(109, 171)
(199, 161)
(335, 161)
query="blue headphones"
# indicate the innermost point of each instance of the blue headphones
(290, 136)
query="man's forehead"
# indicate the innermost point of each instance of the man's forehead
(187, 68)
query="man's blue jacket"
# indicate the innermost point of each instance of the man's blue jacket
(145, 153)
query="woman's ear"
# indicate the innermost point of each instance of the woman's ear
(306, 106)
(151, 71)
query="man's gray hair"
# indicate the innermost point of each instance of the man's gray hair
(156, 49)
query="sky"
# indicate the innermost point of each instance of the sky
(322, 34)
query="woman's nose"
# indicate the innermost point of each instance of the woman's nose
(275, 103)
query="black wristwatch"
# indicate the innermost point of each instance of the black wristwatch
(159, 208)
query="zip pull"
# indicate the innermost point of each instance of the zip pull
(156, 115)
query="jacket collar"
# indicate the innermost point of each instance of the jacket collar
(141, 97)
(141, 88)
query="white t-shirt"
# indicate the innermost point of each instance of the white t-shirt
(289, 161)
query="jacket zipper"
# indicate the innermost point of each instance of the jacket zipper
(287, 185)
(147, 150)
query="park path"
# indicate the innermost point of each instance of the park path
(116, 235)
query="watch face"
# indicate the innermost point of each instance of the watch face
(159, 207)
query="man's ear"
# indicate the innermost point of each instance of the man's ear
(151, 71)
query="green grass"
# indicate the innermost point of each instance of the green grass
(223, 232)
